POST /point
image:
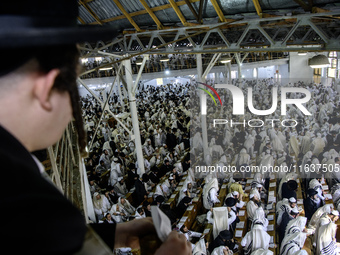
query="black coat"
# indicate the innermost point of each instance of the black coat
(286, 192)
(54, 225)
(310, 207)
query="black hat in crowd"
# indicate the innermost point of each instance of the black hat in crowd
(160, 199)
(292, 184)
(230, 201)
(46, 23)
(312, 192)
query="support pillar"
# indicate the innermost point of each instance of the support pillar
(202, 97)
(134, 116)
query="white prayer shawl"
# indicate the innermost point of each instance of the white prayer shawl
(200, 248)
(126, 206)
(220, 216)
(243, 158)
(305, 143)
(294, 145)
(116, 167)
(262, 252)
(210, 193)
(296, 225)
(118, 218)
(318, 145)
(121, 189)
(220, 251)
(255, 239)
(113, 177)
(102, 205)
(251, 208)
(325, 244)
(313, 223)
(159, 191)
(259, 218)
(292, 243)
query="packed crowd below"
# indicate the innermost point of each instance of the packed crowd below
(219, 212)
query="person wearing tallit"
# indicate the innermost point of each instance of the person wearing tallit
(294, 147)
(197, 143)
(238, 197)
(222, 250)
(190, 234)
(224, 238)
(233, 219)
(306, 143)
(286, 206)
(318, 144)
(242, 158)
(147, 147)
(259, 218)
(201, 248)
(255, 239)
(160, 190)
(296, 225)
(126, 206)
(210, 193)
(313, 223)
(120, 187)
(115, 166)
(286, 218)
(316, 185)
(292, 243)
(286, 178)
(253, 204)
(264, 252)
(326, 244)
(100, 205)
(118, 214)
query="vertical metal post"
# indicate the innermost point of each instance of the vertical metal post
(134, 116)
(203, 116)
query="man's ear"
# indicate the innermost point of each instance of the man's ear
(43, 87)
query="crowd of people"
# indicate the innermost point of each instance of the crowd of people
(171, 133)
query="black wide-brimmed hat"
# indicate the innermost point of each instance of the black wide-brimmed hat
(312, 192)
(292, 185)
(46, 23)
(230, 201)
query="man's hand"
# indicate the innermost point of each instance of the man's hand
(128, 234)
(175, 244)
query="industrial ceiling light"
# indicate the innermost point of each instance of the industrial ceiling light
(318, 61)
(302, 53)
(105, 68)
(164, 59)
(225, 60)
(139, 61)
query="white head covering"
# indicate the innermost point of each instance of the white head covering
(296, 225)
(319, 212)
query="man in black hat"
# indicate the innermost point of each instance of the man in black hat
(38, 98)
(289, 189)
(232, 213)
(309, 203)
(224, 238)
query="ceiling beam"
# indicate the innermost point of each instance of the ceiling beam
(127, 15)
(141, 12)
(304, 5)
(218, 10)
(178, 12)
(258, 8)
(91, 12)
(200, 11)
(151, 13)
(192, 10)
